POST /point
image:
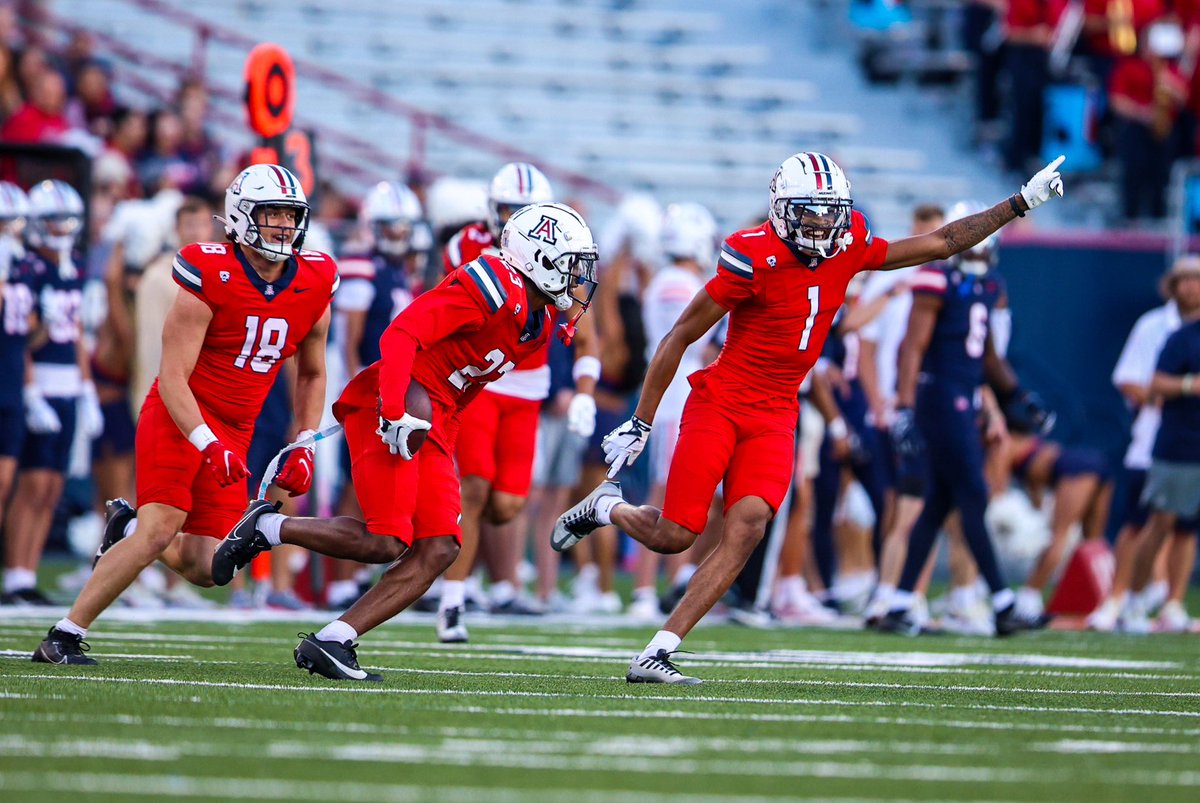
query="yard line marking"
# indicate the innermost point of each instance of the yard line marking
(609, 697)
(1092, 746)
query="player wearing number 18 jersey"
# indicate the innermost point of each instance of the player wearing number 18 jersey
(781, 284)
(245, 307)
(474, 327)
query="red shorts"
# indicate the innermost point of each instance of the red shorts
(752, 450)
(407, 499)
(496, 441)
(171, 472)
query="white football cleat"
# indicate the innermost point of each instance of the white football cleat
(1104, 618)
(1134, 618)
(451, 629)
(658, 668)
(1173, 618)
(581, 520)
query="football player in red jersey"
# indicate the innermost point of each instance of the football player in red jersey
(781, 284)
(499, 430)
(477, 325)
(247, 306)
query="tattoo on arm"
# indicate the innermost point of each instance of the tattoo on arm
(968, 231)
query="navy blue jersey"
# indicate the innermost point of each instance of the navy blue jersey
(17, 304)
(58, 305)
(1178, 438)
(380, 285)
(955, 354)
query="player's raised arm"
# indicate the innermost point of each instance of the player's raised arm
(962, 234)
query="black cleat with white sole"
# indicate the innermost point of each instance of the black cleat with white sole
(243, 543)
(658, 668)
(900, 622)
(120, 513)
(581, 520)
(451, 627)
(61, 647)
(330, 659)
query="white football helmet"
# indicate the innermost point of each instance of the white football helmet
(55, 215)
(515, 185)
(811, 204)
(391, 210)
(980, 258)
(689, 232)
(553, 246)
(264, 185)
(14, 209)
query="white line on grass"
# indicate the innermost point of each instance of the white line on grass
(684, 695)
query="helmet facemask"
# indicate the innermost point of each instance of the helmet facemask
(578, 272)
(393, 237)
(815, 226)
(264, 238)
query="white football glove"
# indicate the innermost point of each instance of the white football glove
(1045, 184)
(395, 433)
(40, 417)
(91, 417)
(581, 415)
(623, 445)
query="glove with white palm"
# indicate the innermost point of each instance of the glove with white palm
(40, 417)
(1045, 184)
(581, 415)
(623, 445)
(91, 416)
(395, 433)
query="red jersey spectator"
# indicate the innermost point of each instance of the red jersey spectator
(42, 117)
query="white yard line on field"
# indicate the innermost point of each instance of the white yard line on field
(683, 695)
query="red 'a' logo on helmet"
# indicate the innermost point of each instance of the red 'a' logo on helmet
(546, 230)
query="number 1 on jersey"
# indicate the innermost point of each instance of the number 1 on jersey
(270, 343)
(814, 305)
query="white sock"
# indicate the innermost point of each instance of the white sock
(884, 591)
(338, 631)
(663, 640)
(683, 575)
(268, 524)
(1029, 601)
(1002, 599)
(340, 590)
(962, 597)
(131, 527)
(454, 595)
(67, 626)
(901, 600)
(17, 579)
(502, 592)
(604, 508)
(646, 592)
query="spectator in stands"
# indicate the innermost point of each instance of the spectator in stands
(128, 138)
(196, 144)
(165, 164)
(10, 88)
(32, 61)
(42, 117)
(1147, 93)
(93, 106)
(1029, 25)
(982, 36)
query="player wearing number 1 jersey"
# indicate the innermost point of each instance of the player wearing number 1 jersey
(781, 284)
(474, 327)
(244, 307)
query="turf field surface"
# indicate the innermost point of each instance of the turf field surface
(217, 710)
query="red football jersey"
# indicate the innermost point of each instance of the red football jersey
(781, 307)
(468, 331)
(255, 325)
(470, 243)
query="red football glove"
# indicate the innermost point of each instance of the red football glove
(296, 474)
(225, 464)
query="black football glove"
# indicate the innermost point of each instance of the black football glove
(1026, 412)
(906, 438)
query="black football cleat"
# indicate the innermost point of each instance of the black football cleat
(61, 647)
(1008, 623)
(900, 622)
(120, 513)
(242, 544)
(27, 598)
(331, 660)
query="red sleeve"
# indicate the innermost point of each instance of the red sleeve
(875, 248)
(187, 274)
(446, 310)
(930, 281)
(729, 290)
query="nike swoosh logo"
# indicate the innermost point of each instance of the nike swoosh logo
(357, 674)
(303, 289)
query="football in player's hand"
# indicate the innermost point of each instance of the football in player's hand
(417, 403)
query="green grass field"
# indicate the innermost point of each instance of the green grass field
(208, 710)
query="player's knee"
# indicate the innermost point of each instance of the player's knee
(384, 549)
(440, 553)
(503, 508)
(672, 538)
(156, 536)
(475, 492)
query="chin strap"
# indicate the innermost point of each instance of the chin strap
(566, 331)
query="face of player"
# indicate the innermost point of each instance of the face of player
(1186, 292)
(277, 224)
(194, 227)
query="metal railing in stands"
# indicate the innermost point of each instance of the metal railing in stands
(422, 123)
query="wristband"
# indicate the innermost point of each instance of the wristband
(837, 428)
(586, 366)
(201, 437)
(1016, 207)
(1185, 385)
(303, 434)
